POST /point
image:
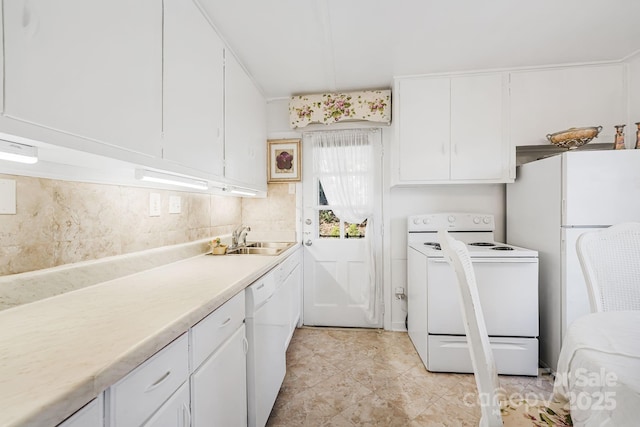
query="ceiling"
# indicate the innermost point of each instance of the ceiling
(308, 46)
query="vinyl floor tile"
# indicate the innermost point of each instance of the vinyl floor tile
(354, 377)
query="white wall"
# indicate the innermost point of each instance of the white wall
(278, 128)
(634, 98)
(398, 204)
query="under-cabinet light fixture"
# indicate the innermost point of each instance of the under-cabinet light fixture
(165, 178)
(20, 153)
(241, 191)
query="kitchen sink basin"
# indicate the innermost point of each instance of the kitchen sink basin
(261, 248)
(277, 245)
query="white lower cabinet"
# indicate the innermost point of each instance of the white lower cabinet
(218, 387)
(218, 354)
(135, 398)
(175, 412)
(91, 415)
(161, 393)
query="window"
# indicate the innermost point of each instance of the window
(330, 226)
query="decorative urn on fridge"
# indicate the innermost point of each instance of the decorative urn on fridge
(618, 143)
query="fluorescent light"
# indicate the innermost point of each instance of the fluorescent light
(20, 153)
(165, 178)
(241, 192)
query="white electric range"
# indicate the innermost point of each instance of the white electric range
(507, 278)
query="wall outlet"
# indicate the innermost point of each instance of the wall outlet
(155, 204)
(175, 204)
(7, 197)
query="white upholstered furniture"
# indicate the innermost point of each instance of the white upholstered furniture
(494, 409)
(599, 369)
(610, 260)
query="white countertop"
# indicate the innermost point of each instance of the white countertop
(59, 353)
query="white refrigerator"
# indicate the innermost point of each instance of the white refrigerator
(551, 203)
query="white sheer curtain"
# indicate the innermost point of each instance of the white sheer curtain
(344, 161)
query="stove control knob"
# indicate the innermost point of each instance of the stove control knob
(476, 220)
(451, 218)
(416, 221)
(426, 221)
(486, 220)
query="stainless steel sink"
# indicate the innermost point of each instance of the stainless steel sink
(261, 248)
(278, 245)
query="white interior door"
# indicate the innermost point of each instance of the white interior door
(335, 275)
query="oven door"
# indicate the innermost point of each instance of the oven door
(508, 289)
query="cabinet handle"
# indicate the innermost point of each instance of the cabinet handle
(186, 415)
(29, 19)
(26, 15)
(158, 381)
(223, 324)
(260, 286)
(455, 149)
(245, 345)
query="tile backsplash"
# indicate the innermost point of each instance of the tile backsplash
(62, 222)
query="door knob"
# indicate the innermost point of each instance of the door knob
(308, 242)
(308, 221)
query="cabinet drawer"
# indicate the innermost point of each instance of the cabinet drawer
(289, 264)
(175, 412)
(213, 330)
(138, 395)
(514, 356)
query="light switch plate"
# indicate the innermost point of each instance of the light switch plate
(175, 204)
(7, 197)
(155, 204)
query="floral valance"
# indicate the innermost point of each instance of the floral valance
(327, 108)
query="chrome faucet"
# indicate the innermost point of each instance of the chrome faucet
(239, 236)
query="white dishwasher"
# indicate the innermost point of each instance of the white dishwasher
(267, 321)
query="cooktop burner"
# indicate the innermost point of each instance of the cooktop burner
(502, 248)
(482, 244)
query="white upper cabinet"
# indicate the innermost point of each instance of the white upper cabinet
(452, 130)
(87, 69)
(193, 83)
(480, 149)
(551, 100)
(423, 130)
(245, 129)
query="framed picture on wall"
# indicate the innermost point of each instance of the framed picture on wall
(284, 160)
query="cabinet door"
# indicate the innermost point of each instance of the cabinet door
(91, 415)
(133, 399)
(193, 84)
(174, 412)
(295, 283)
(90, 69)
(245, 128)
(218, 387)
(547, 101)
(478, 150)
(423, 129)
